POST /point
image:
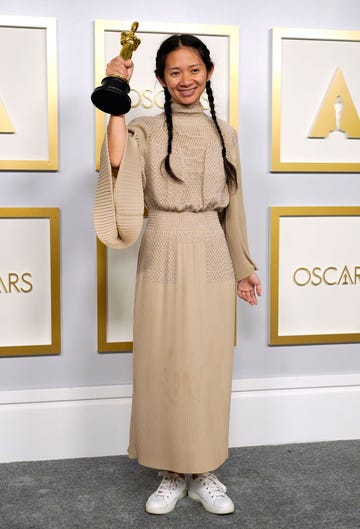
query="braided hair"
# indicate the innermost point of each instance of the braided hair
(171, 44)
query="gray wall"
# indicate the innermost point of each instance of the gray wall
(72, 187)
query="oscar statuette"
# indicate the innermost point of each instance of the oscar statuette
(112, 96)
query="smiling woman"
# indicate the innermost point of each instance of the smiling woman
(185, 75)
(184, 165)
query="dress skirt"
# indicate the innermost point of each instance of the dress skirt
(184, 324)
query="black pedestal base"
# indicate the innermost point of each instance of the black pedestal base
(112, 96)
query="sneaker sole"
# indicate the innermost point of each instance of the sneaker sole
(207, 507)
(167, 508)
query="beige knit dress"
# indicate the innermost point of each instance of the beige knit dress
(184, 300)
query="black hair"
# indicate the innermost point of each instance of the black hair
(171, 44)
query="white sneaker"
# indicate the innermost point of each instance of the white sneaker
(209, 491)
(171, 489)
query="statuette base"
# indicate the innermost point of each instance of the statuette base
(112, 96)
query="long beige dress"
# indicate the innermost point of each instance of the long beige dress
(185, 289)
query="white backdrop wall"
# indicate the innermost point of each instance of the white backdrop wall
(72, 189)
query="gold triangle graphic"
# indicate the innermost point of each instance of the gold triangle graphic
(5, 123)
(337, 112)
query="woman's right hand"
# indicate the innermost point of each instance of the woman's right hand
(118, 67)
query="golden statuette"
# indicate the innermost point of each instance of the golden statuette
(112, 96)
(129, 41)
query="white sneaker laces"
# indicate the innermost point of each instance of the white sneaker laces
(167, 485)
(211, 483)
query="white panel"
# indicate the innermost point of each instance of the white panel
(25, 308)
(308, 67)
(24, 92)
(319, 242)
(121, 277)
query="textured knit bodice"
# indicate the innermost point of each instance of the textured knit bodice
(195, 159)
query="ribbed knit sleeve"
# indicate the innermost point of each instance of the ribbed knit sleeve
(119, 202)
(235, 221)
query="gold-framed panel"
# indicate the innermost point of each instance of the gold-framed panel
(104, 27)
(315, 276)
(104, 345)
(17, 99)
(309, 97)
(54, 345)
(231, 33)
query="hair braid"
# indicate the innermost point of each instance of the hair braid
(169, 124)
(230, 170)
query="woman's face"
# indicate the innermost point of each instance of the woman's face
(185, 75)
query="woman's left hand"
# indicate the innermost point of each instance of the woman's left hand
(249, 287)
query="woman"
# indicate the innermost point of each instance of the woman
(184, 165)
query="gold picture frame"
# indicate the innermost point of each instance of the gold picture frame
(105, 344)
(155, 31)
(315, 104)
(314, 274)
(32, 76)
(30, 282)
(108, 30)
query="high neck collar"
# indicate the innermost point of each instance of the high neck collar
(194, 108)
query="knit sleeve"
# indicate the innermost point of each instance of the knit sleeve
(235, 221)
(119, 201)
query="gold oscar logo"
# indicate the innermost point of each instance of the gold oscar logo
(149, 98)
(331, 275)
(12, 283)
(5, 123)
(337, 114)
